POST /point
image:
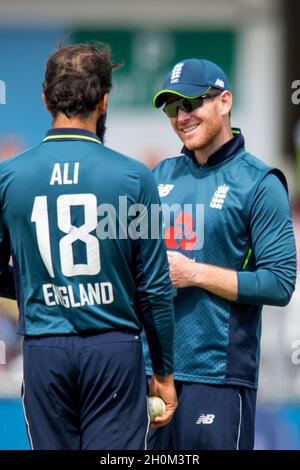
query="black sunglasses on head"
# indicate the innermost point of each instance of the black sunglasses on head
(187, 105)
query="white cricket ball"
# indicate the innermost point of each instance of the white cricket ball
(157, 407)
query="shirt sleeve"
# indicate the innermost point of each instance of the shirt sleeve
(272, 281)
(154, 302)
(7, 284)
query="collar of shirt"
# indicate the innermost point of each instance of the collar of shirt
(223, 153)
(70, 133)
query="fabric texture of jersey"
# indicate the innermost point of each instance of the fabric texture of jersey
(234, 213)
(57, 200)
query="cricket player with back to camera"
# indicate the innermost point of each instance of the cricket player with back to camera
(84, 299)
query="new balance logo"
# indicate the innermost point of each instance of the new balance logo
(219, 197)
(176, 72)
(205, 419)
(164, 189)
(219, 82)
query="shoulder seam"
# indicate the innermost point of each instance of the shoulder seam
(15, 157)
(252, 163)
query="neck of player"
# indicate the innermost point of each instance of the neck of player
(202, 154)
(89, 124)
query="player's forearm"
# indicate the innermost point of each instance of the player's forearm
(259, 287)
(219, 281)
(263, 287)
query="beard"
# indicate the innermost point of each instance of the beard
(206, 137)
(101, 128)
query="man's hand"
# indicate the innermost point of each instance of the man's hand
(219, 281)
(163, 387)
(182, 269)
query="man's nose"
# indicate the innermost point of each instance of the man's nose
(182, 115)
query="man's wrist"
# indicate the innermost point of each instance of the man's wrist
(197, 274)
(164, 378)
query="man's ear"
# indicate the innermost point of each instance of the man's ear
(102, 105)
(45, 101)
(226, 100)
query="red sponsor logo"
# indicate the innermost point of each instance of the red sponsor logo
(181, 234)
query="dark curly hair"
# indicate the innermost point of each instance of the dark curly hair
(76, 79)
